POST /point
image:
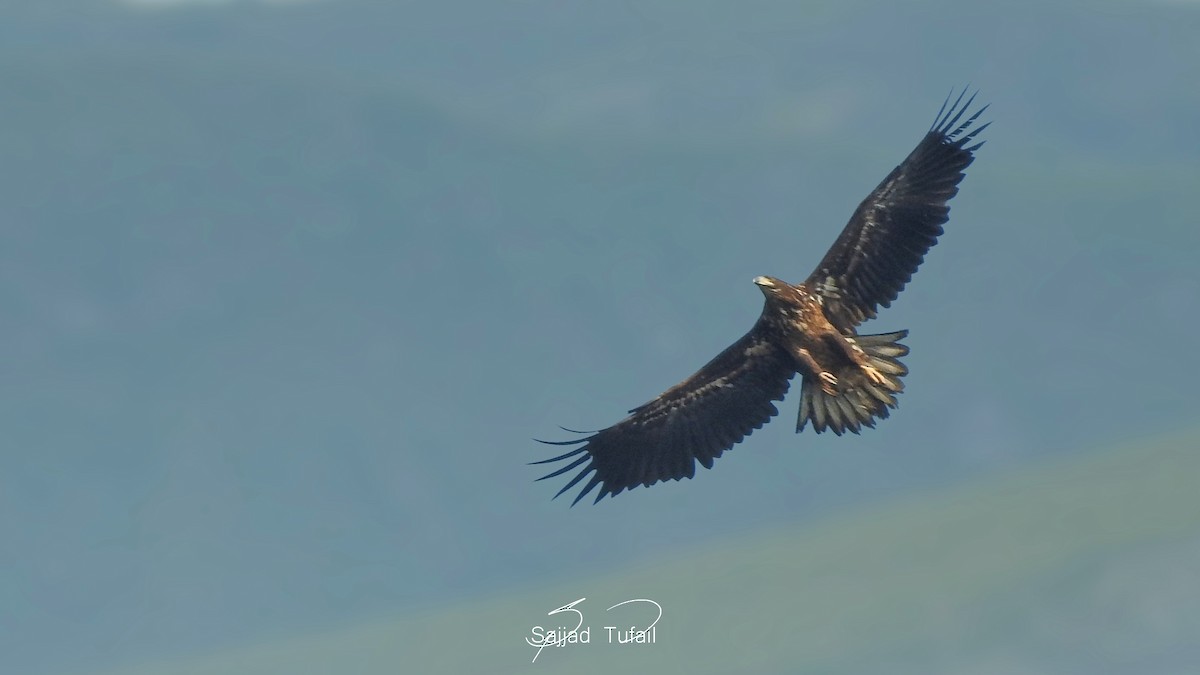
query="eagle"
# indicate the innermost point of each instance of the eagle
(848, 381)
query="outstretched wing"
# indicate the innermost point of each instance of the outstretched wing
(697, 419)
(896, 225)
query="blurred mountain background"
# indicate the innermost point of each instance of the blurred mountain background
(289, 287)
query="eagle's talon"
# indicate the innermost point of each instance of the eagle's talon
(829, 383)
(876, 377)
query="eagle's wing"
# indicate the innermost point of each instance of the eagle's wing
(697, 419)
(896, 225)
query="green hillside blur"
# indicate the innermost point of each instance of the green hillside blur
(1066, 566)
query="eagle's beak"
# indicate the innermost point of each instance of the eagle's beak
(764, 282)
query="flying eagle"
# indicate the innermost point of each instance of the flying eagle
(848, 380)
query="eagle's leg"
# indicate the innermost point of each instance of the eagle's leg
(828, 380)
(860, 359)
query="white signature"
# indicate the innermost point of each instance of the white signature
(562, 636)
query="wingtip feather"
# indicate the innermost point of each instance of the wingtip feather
(566, 468)
(561, 457)
(946, 122)
(586, 489)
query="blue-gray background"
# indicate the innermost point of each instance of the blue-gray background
(289, 287)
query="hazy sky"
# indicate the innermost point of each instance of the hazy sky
(289, 290)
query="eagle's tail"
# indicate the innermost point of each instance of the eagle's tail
(859, 400)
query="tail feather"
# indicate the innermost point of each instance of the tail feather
(859, 401)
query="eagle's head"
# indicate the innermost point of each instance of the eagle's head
(770, 286)
(779, 292)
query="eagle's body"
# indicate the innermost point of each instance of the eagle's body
(848, 380)
(856, 375)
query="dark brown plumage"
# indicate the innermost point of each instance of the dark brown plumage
(848, 380)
